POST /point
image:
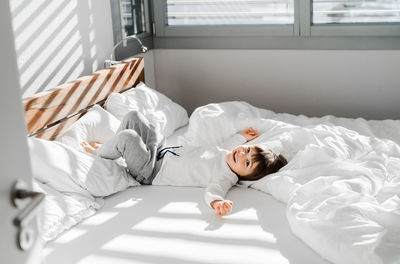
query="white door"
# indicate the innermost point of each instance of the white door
(14, 156)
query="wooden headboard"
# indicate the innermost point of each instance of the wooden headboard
(50, 113)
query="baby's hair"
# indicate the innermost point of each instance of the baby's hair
(266, 162)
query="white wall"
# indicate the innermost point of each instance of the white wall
(149, 75)
(315, 83)
(58, 41)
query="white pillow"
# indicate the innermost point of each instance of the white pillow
(161, 111)
(96, 125)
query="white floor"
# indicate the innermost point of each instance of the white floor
(154, 224)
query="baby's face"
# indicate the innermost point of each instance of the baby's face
(240, 160)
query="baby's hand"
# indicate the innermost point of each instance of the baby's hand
(223, 207)
(249, 134)
(88, 147)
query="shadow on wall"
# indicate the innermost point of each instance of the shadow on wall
(59, 41)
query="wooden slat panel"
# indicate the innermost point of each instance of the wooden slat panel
(49, 107)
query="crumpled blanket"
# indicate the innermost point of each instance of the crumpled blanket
(342, 182)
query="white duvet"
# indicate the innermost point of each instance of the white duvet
(342, 182)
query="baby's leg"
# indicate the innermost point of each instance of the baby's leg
(129, 145)
(138, 122)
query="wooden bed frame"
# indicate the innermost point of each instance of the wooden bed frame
(51, 112)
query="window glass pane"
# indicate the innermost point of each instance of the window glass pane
(229, 12)
(356, 11)
(133, 16)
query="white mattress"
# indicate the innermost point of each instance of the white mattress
(162, 224)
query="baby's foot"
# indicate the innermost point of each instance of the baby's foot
(87, 147)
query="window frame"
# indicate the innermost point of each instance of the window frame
(302, 27)
(117, 24)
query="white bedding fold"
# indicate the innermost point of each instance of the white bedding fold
(74, 183)
(60, 211)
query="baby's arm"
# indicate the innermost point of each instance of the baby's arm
(239, 138)
(215, 193)
(233, 141)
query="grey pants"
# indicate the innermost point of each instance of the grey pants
(138, 142)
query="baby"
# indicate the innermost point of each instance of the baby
(217, 168)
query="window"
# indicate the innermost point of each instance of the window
(276, 18)
(355, 18)
(356, 11)
(133, 16)
(221, 18)
(130, 17)
(222, 12)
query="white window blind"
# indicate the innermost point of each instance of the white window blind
(356, 11)
(229, 12)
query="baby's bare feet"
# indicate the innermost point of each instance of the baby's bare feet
(95, 144)
(87, 147)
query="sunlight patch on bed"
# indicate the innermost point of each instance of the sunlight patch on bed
(196, 227)
(128, 203)
(100, 218)
(190, 251)
(105, 260)
(244, 214)
(180, 208)
(70, 236)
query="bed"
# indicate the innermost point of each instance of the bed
(337, 200)
(167, 224)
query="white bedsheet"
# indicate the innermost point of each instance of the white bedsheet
(341, 186)
(164, 224)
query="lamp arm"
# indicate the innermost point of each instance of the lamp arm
(123, 39)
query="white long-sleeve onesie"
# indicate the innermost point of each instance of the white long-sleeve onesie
(201, 167)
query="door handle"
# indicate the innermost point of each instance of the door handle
(19, 196)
